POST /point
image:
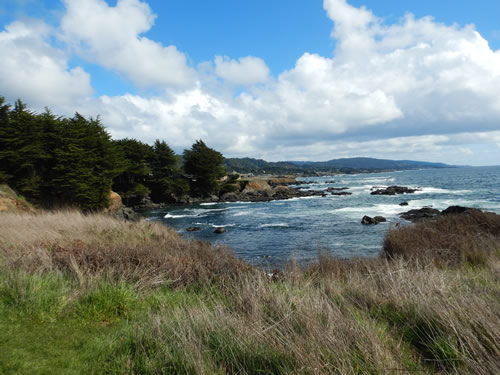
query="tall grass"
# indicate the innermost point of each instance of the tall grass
(430, 304)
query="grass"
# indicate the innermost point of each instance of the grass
(89, 294)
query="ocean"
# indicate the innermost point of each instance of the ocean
(272, 233)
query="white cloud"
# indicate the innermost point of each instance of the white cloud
(111, 37)
(36, 72)
(246, 71)
(412, 90)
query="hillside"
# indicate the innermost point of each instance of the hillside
(345, 165)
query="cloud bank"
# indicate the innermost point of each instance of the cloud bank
(417, 89)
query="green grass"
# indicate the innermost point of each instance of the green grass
(89, 295)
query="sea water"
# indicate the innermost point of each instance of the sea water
(272, 233)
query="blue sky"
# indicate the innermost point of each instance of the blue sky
(281, 79)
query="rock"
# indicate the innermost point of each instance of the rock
(341, 193)
(126, 213)
(146, 204)
(393, 190)
(193, 229)
(455, 210)
(219, 230)
(403, 204)
(115, 202)
(420, 214)
(367, 220)
(332, 189)
(10, 202)
(256, 186)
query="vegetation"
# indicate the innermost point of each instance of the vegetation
(206, 166)
(347, 165)
(89, 294)
(56, 161)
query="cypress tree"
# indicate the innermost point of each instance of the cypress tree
(165, 183)
(207, 167)
(132, 183)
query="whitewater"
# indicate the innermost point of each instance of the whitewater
(272, 233)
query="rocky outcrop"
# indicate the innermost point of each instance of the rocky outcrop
(11, 202)
(219, 230)
(193, 229)
(117, 209)
(420, 214)
(333, 189)
(367, 220)
(403, 204)
(426, 213)
(455, 210)
(393, 190)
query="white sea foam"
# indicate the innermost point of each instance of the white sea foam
(208, 204)
(433, 190)
(274, 225)
(170, 216)
(222, 225)
(301, 198)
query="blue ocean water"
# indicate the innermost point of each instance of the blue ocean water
(271, 233)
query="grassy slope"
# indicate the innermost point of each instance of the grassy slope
(88, 294)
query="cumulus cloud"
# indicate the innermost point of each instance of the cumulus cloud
(245, 71)
(414, 89)
(35, 71)
(387, 90)
(111, 36)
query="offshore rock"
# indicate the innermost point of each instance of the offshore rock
(420, 214)
(456, 210)
(367, 220)
(393, 190)
(219, 230)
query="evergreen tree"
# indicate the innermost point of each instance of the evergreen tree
(207, 167)
(23, 153)
(132, 183)
(5, 131)
(85, 164)
(165, 182)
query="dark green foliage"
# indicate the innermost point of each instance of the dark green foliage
(56, 161)
(206, 166)
(229, 188)
(132, 182)
(85, 164)
(165, 186)
(22, 152)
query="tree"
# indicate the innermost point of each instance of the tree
(165, 185)
(22, 153)
(132, 183)
(4, 141)
(206, 166)
(85, 163)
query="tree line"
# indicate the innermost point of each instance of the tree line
(59, 161)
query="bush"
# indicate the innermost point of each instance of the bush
(471, 237)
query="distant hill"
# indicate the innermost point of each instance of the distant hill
(345, 165)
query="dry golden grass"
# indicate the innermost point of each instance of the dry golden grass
(417, 310)
(91, 246)
(471, 237)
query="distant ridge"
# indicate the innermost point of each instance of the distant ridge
(347, 165)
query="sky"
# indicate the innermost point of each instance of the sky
(278, 80)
